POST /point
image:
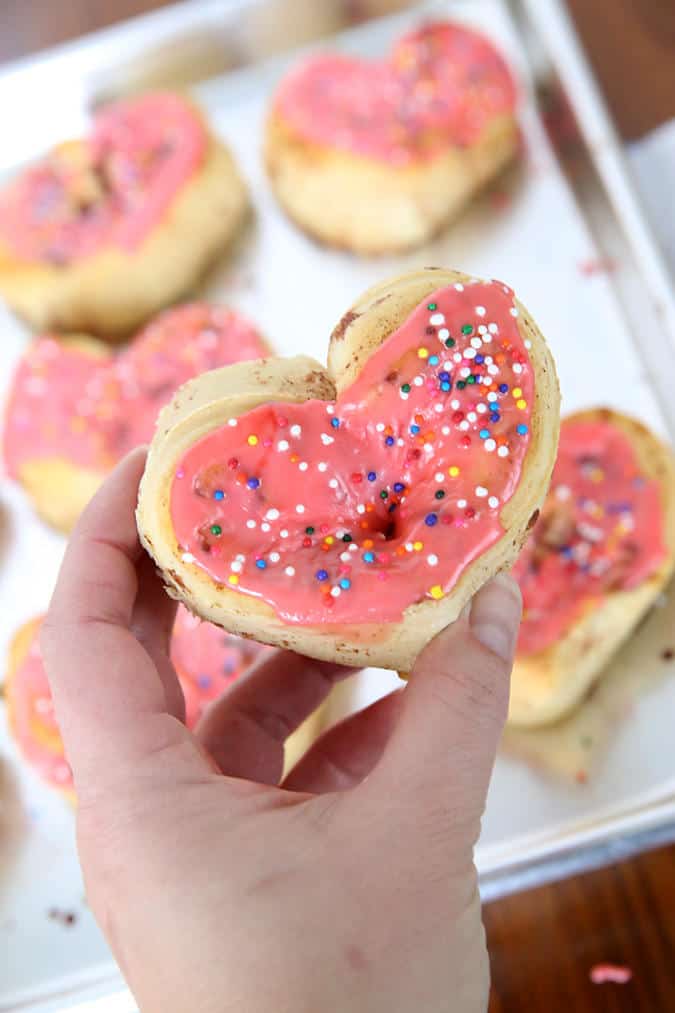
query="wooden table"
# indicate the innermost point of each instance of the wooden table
(543, 942)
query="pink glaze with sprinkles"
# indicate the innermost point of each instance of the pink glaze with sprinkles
(351, 511)
(91, 410)
(601, 530)
(108, 190)
(441, 87)
(206, 660)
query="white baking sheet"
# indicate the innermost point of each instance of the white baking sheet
(528, 231)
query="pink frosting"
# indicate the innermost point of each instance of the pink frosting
(108, 190)
(350, 512)
(206, 660)
(601, 530)
(92, 410)
(440, 87)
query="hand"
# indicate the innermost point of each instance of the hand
(351, 887)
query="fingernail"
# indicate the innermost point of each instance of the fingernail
(495, 616)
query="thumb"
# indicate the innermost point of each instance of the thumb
(443, 750)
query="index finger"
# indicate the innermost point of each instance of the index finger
(109, 698)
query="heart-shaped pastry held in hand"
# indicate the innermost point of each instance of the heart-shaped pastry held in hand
(75, 408)
(376, 156)
(351, 513)
(106, 230)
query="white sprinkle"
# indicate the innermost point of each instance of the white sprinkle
(464, 372)
(457, 357)
(333, 483)
(379, 427)
(240, 557)
(283, 534)
(481, 491)
(480, 311)
(274, 557)
(517, 368)
(488, 360)
(482, 407)
(446, 430)
(299, 509)
(503, 451)
(438, 408)
(231, 422)
(514, 311)
(458, 286)
(437, 319)
(461, 503)
(272, 514)
(322, 466)
(471, 416)
(492, 396)
(408, 546)
(482, 329)
(235, 566)
(527, 343)
(290, 571)
(403, 396)
(439, 476)
(360, 509)
(490, 445)
(282, 445)
(469, 353)
(295, 430)
(418, 381)
(493, 502)
(303, 466)
(447, 364)
(335, 592)
(400, 442)
(476, 343)
(265, 526)
(493, 370)
(344, 557)
(330, 409)
(251, 523)
(563, 492)
(432, 560)
(455, 402)
(464, 425)
(428, 449)
(493, 329)
(444, 333)
(326, 439)
(353, 547)
(187, 557)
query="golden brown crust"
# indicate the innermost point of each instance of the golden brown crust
(113, 292)
(369, 207)
(206, 402)
(547, 685)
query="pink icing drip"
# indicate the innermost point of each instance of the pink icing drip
(244, 495)
(601, 530)
(112, 190)
(440, 87)
(206, 660)
(92, 410)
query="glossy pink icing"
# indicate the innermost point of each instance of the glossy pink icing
(440, 87)
(110, 189)
(374, 476)
(206, 660)
(92, 410)
(601, 530)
